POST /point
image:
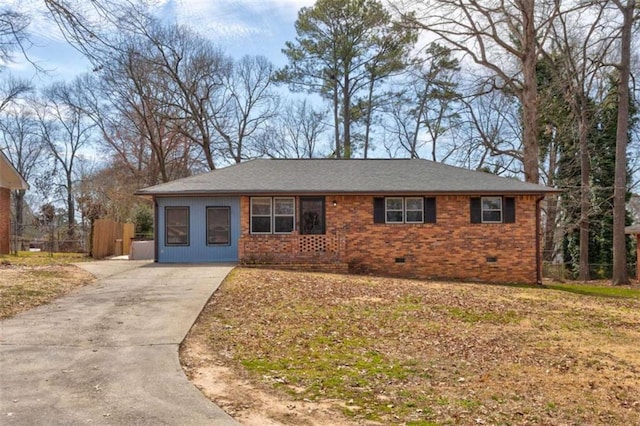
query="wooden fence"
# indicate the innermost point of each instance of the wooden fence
(111, 238)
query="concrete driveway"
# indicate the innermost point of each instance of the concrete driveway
(107, 354)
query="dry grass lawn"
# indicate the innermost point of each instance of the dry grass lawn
(276, 347)
(32, 279)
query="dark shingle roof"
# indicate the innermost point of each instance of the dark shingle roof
(342, 176)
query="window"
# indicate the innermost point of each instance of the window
(404, 210)
(394, 210)
(218, 226)
(312, 215)
(176, 226)
(272, 215)
(493, 210)
(283, 215)
(414, 208)
(260, 215)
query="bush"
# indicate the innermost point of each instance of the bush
(144, 222)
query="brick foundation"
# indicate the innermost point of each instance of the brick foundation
(452, 248)
(333, 268)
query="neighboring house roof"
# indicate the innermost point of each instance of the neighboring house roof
(9, 176)
(317, 176)
(632, 229)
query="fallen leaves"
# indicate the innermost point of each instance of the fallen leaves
(400, 351)
(23, 287)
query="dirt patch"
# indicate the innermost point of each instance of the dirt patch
(250, 402)
(23, 287)
(276, 347)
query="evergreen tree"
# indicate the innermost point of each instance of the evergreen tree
(342, 48)
(602, 147)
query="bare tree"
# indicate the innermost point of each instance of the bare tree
(581, 44)
(424, 110)
(66, 130)
(629, 16)
(296, 132)
(247, 105)
(135, 109)
(493, 33)
(13, 34)
(490, 131)
(194, 74)
(22, 144)
(198, 91)
(12, 89)
(89, 26)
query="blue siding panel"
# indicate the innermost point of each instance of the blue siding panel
(198, 251)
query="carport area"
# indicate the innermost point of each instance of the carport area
(108, 353)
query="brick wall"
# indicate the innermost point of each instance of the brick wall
(452, 248)
(5, 220)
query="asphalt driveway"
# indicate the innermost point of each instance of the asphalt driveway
(107, 353)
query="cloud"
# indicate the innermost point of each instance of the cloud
(41, 26)
(220, 20)
(237, 26)
(226, 20)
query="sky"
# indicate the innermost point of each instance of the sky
(239, 27)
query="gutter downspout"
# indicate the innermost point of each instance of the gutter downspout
(538, 246)
(155, 229)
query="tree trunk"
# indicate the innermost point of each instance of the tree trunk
(548, 252)
(367, 129)
(18, 197)
(620, 275)
(346, 115)
(336, 119)
(71, 211)
(585, 194)
(529, 94)
(421, 108)
(206, 149)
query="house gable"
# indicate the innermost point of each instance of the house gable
(9, 176)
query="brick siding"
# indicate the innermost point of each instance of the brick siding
(5, 220)
(452, 248)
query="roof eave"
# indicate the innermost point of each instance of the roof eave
(196, 193)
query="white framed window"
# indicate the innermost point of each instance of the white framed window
(404, 209)
(491, 209)
(272, 215)
(284, 213)
(414, 210)
(260, 215)
(394, 209)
